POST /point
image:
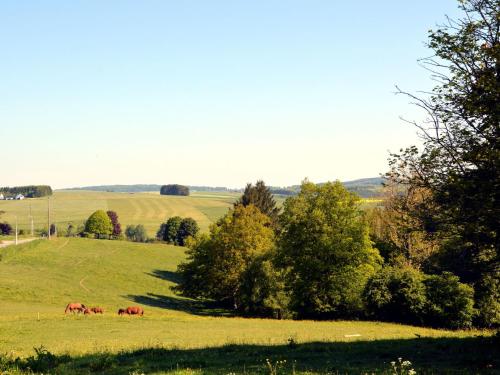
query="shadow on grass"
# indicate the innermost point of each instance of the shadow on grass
(195, 307)
(428, 356)
(171, 276)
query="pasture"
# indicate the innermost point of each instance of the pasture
(149, 209)
(182, 336)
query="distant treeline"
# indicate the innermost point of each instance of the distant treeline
(365, 188)
(31, 191)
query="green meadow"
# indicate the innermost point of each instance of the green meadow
(149, 209)
(182, 336)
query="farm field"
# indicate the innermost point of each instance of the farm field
(149, 209)
(181, 336)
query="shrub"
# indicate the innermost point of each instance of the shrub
(99, 224)
(117, 228)
(5, 229)
(488, 301)
(450, 303)
(396, 294)
(136, 233)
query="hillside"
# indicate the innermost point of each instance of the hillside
(38, 279)
(149, 209)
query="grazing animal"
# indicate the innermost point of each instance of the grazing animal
(87, 311)
(97, 310)
(132, 310)
(78, 307)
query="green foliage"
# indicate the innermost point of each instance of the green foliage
(169, 231)
(174, 190)
(396, 294)
(136, 233)
(217, 262)
(261, 197)
(99, 225)
(488, 301)
(449, 302)
(188, 228)
(262, 291)
(326, 252)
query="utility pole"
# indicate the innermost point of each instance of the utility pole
(31, 219)
(16, 230)
(48, 217)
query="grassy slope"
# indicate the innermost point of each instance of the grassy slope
(39, 278)
(149, 209)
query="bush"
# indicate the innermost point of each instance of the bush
(396, 294)
(136, 233)
(450, 303)
(488, 301)
(117, 228)
(5, 229)
(99, 225)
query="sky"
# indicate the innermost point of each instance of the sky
(216, 93)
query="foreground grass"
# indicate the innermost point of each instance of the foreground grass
(38, 279)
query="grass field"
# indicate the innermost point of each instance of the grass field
(182, 336)
(149, 209)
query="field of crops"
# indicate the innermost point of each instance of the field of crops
(38, 279)
(149, 209)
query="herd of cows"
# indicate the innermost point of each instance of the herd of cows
(81, 308)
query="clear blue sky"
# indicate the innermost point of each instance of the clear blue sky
(207, 92)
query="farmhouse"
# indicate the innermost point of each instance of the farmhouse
(19, 197)
(1, 197)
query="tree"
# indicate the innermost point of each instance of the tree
(217, 262)
(99, 224)
(262, 198)
(460, 160)
(117, 228)
(136, 233)
(168, 231)
(188, 228)
(174, 190)
(326, 251)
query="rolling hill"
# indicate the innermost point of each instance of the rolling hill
(182, 336)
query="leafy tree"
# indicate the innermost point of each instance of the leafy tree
(169, 231)
(188, 228)
(460, 161)
(174, 190)
(217, 262)
(326, 251)
(136, 233)
(117, 228)
(262, 198)
(99, 224)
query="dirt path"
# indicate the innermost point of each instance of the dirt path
(13, 242)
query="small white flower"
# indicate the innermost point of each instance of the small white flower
(412, 372)
(406, 363)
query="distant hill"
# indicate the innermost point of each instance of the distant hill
(364, 187)
(140, 188)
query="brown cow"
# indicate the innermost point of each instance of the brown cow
(72, 307)
(87, 311)
(97, 310)
(132, 310)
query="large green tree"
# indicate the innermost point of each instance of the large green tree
(217, 262)
(99, 224)
(459, 163)
(326, 251)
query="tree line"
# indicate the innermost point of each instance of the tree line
(30, 191)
